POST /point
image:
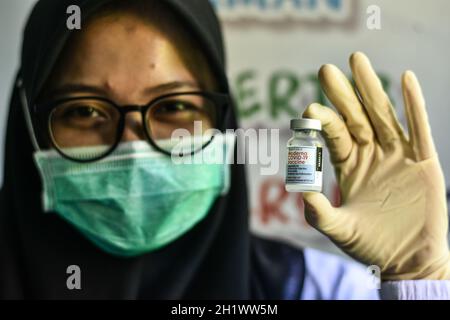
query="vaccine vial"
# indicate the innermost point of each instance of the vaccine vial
(304, 164)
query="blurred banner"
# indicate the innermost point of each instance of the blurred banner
(275, 48)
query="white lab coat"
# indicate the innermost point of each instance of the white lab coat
(331, 277)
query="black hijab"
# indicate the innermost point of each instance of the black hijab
(210, 261)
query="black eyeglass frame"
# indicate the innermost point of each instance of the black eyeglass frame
(42, 114)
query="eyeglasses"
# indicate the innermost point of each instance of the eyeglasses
(88, 128)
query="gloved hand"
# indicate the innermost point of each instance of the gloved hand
(393, 209)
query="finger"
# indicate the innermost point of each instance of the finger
(375, 100)
(342, 95)
(420, 137)
(320, 214)
(335, 132)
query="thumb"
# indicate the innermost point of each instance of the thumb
(319, 213)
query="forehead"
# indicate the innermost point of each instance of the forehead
(124, 44)
(125, 51)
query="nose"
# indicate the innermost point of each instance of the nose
(133, 130)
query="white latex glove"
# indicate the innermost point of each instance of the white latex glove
(394, 210)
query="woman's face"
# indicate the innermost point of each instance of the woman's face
(130, 61)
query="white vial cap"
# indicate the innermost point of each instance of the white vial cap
(306, 124)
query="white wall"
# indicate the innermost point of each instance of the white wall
(13, 14)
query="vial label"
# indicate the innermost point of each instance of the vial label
(304, 166)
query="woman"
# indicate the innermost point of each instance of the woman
(88, 142)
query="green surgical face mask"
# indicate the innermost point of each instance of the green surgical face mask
(137, 199)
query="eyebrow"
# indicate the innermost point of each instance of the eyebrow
(95, 90)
